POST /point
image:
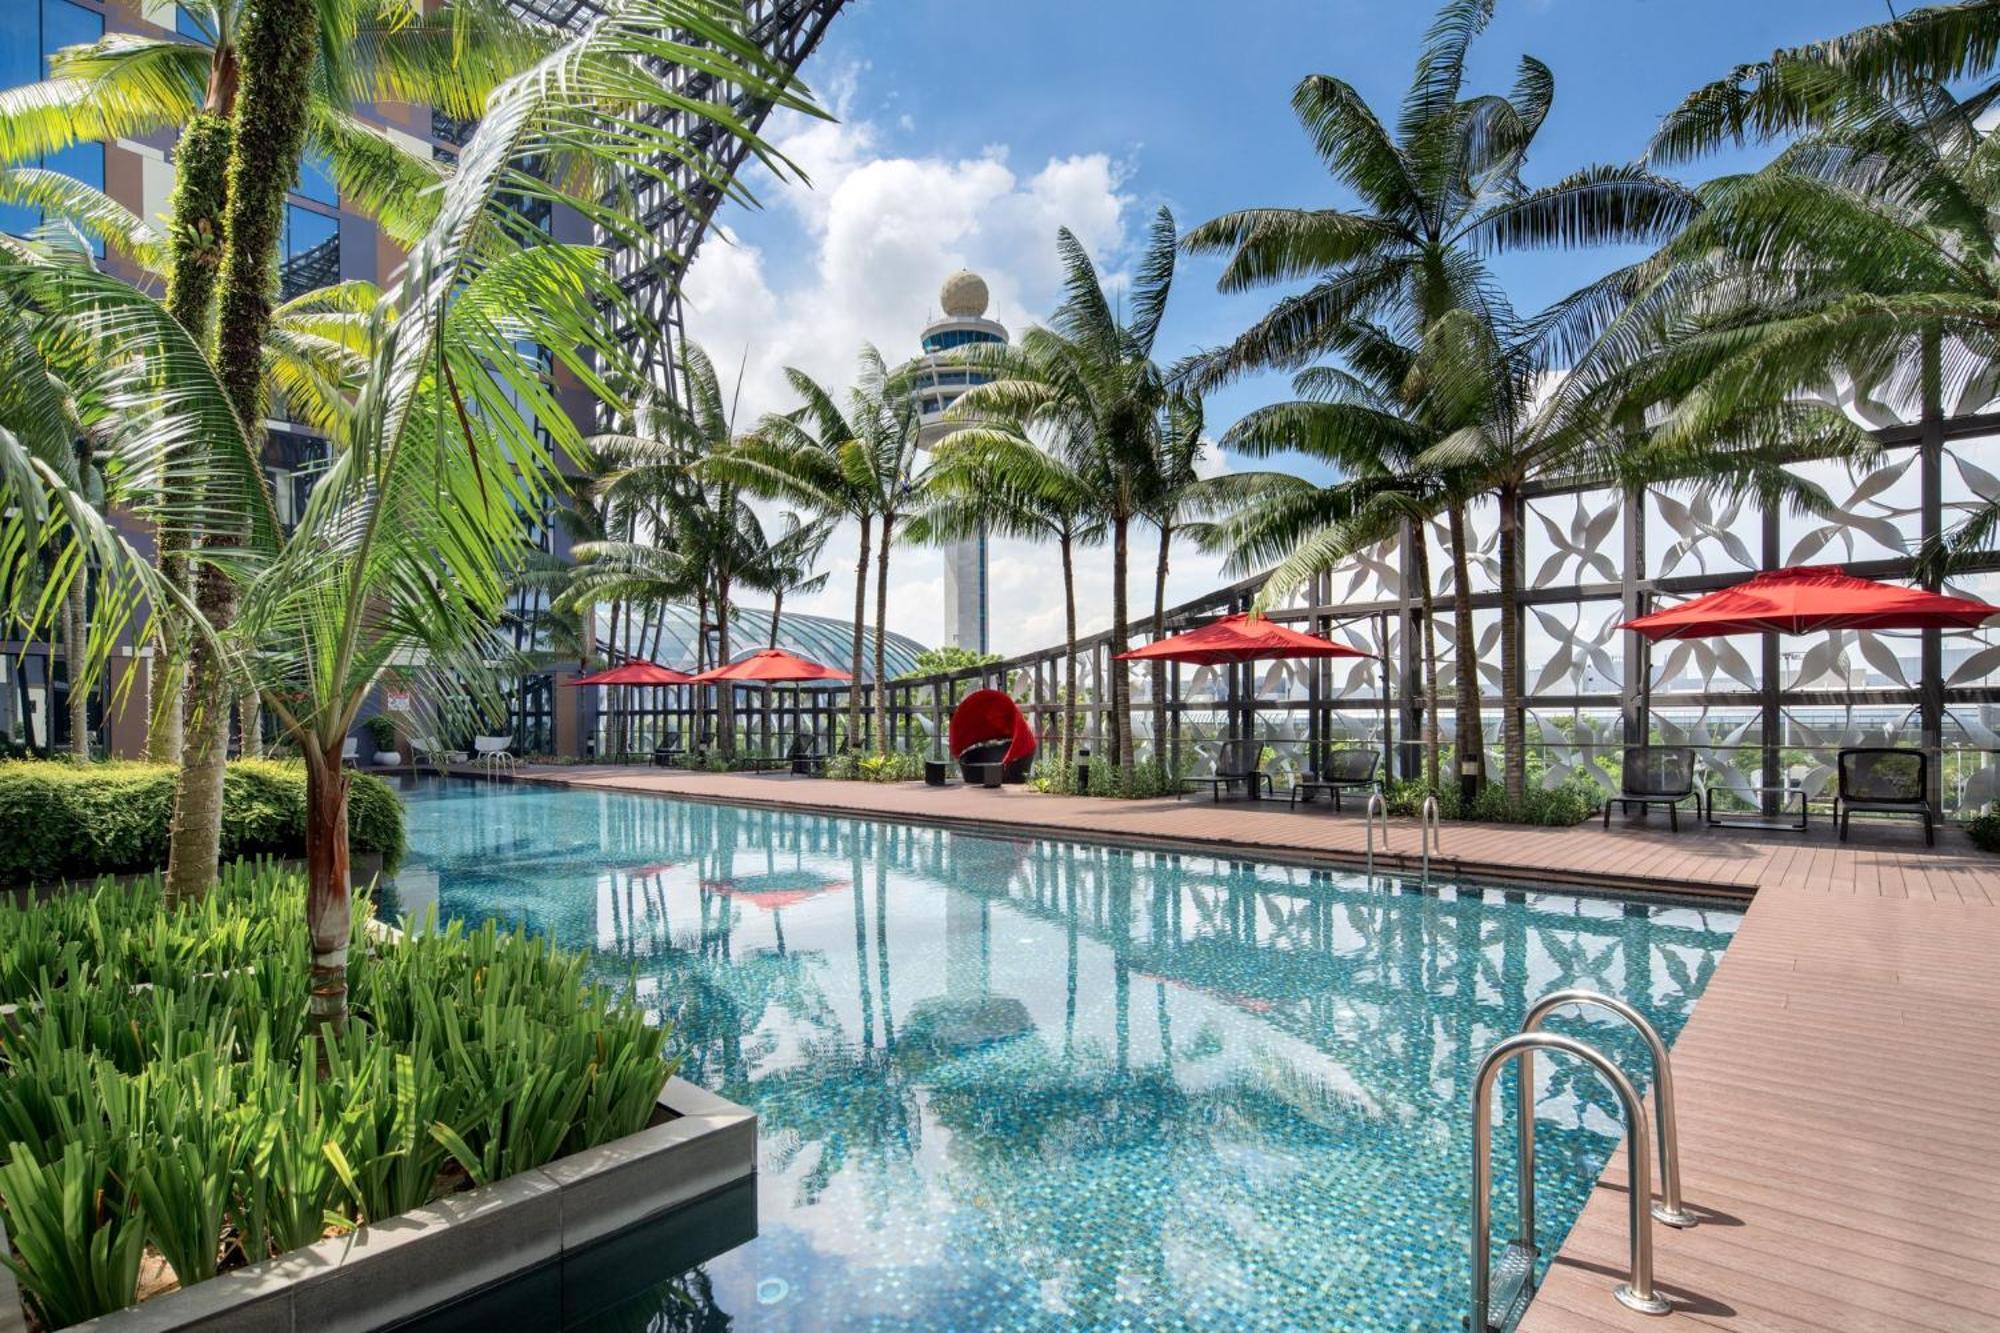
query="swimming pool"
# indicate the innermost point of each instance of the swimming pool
(1022, 1083)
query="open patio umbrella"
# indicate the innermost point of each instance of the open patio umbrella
(634, 673)
(1243, 637)
(1808, 599)
(771, 666)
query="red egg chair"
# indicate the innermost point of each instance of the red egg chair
(987, 728)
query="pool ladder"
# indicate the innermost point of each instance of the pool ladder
(1432, 835)
(1514, 1280)
(1378, 809)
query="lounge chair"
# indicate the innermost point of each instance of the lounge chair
(1238, 764)
(1888, 779)
(350, 753)
(668, 750)
(1347, 770)
(1655, 775)
(807, 759)
(493, 753)
(430, 750)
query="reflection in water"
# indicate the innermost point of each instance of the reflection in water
(1105, 1085)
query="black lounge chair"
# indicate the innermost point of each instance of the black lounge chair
(668, 750)
(1888, 779)
(1655, 775)
(1238, 764)
(807, 759)
(1343, 770)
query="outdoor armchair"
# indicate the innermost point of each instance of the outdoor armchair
(1886, 779)
(1238, 763)
(1655, 775)
(1342, 770)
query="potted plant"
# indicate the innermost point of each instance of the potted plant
(381, 731)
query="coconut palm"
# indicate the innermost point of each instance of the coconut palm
(398, 569)
(788, 565)
(1438, 196)
(992, 479)
(858, 462)
(1089, 385)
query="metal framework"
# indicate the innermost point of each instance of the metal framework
(677, 210)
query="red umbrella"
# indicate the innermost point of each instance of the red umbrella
(1806, 600)
(771, 666)
(634, 673)
(1240, 638)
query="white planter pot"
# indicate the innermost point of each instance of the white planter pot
(387, 758)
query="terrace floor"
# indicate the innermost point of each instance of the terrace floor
(1839, 1094)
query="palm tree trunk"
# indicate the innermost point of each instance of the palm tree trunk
(201, 195)
(1470, 747)
(250, 725)
(276, 50)
(1121, 684)
(1069, 653)
(75, 629)
(725, 693)
(1159, 632)
(881, 633)
(777, 612)
(860, 615)
(1513, 728)
(1420, 569)
(329, 918)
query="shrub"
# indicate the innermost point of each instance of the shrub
(381, 731)
(1571, 803)
(70, 821)
(1106, 779)
(1985, 832)
(161, 1089)
(896, 766)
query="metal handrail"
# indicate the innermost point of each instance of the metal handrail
(1669, 1209)
(1636, 1293)
(1431, 832)
(1377, 808)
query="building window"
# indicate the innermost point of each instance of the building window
(29, 34)
(315, 180)
(312, 252)
(947, 339)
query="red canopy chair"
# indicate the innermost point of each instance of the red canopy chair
(987, 728)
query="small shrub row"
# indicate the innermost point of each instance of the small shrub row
(855, 766)
(1142, 780)
(162, 1091)
(1571, 803)
(1984, 830)
(77, 821)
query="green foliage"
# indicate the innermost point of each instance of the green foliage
(852, 766)
(951, 657)
(381, 731)
(160, 1087)
(74, 821)
(1985, 832)
(1147, 779)
(1571, 803)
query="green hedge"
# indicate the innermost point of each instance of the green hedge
(67, 821)
(1985, 832)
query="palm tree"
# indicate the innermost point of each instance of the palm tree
(1437, 198)
(1374, 423)
(1176, 494)
(399, 567)
(855, 462)
(993, 479)
(1088, 382)
(789, 565)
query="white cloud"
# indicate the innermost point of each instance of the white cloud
(863, 252)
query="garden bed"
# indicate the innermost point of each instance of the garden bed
(169, 1120)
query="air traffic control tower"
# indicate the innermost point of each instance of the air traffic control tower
(963, 300)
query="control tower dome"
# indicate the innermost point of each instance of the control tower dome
(963, 299)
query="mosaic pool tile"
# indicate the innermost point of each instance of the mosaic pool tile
(1022, 1084)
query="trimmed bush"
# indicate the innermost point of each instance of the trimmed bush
(1985, 832)
(70, 821)
(1571, 803)
(162, 1090)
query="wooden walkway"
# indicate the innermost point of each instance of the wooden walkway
(1839, 1081)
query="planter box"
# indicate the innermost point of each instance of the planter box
(403, 1266)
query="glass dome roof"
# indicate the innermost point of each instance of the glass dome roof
(818, 638)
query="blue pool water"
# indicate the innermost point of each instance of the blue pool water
(1013, 1084)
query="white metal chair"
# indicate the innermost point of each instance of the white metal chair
(427, 749)
(350, 753)
(493, 753)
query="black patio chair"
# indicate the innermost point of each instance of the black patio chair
(807, 759)
(1237, 764)
(668, 750)
(1655, 775)
(1886, 779)
(1344, 770)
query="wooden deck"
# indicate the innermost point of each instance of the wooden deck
(1839, 1081)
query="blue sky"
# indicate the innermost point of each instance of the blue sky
(968, 132)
